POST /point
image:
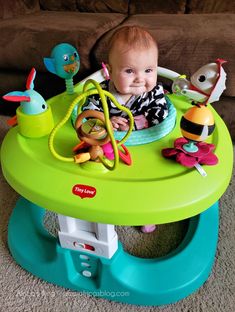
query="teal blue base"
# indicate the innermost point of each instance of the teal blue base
(122, 278)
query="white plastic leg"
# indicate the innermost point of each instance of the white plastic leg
(94, 238)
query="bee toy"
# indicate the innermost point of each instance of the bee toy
(205, 87)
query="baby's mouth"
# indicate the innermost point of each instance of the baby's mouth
(138, 85)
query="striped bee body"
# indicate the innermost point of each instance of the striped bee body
(197, 123)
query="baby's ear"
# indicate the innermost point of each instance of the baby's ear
(109, 68)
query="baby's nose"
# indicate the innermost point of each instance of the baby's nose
(139, 77)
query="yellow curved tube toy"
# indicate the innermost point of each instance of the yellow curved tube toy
(80, 100)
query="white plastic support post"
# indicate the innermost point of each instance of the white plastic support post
(93, 238)
(67, 224)
(105, 232)
(97, 76)
(167, 73)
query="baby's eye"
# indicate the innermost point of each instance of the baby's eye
(148, 70)
(129, 71)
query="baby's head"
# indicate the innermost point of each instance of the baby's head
(133, 60)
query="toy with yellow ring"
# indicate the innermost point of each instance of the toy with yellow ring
(80, 100)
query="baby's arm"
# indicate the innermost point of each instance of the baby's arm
(141, 122)
(119, 123)
(93, 104)
(157, 109)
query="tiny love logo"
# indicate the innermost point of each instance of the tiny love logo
(84, 191)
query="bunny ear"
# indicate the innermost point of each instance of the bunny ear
(16, 96)
(30, 79)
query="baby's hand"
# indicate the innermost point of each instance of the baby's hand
(141, 122)
(119, 123)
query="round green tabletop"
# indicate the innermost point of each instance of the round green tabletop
(152, 190)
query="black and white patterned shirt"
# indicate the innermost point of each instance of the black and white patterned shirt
(150, 104)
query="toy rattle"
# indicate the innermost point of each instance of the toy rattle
(96, 133)
(94, 137)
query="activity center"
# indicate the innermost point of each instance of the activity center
(67, 160)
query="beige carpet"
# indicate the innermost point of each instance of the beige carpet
(20, 291)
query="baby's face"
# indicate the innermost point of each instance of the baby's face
(133, 71)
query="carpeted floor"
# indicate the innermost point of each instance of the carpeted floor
(20, 291)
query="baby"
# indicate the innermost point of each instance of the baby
(132, 66)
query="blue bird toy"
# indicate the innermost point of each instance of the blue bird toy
(64, 62)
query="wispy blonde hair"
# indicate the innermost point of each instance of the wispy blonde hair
(132, 37)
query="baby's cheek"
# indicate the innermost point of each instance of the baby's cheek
(123, 88)
(150, 87)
